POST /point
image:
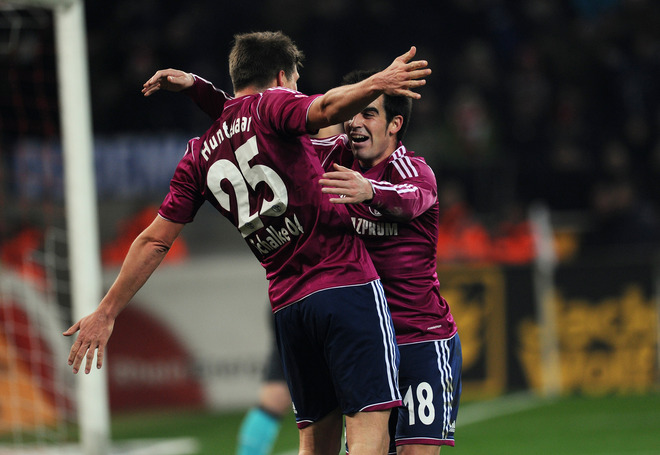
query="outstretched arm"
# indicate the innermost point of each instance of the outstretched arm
(341, 103)
(144, 256)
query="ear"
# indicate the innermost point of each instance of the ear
(395, 125)
(281, 78)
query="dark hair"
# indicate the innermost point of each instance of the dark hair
(257, 58)
(394, 105)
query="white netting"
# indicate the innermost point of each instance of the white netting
(36, 394)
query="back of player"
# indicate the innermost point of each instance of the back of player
(258, 168)
(254, 165)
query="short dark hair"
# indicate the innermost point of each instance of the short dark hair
(394, 105)
(256, 58)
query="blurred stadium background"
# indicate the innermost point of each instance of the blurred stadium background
(541, 116)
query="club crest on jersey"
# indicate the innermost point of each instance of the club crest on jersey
(374, 212)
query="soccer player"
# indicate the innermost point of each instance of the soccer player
(257, 167)
(394, 208)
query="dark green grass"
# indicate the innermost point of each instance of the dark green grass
(215, 432)
(621, 425)
(574, 425)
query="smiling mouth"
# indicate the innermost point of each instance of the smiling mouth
(359, 138)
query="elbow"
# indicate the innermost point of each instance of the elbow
(152, 245)
(404, 218)
(399, 215)
(161, 248)
(323, 114)
(333, 116)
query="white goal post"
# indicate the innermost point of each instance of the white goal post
(81, 209)
(80, 204)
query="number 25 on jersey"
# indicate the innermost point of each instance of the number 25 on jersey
(239, 178)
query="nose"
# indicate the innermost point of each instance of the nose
(355, 121)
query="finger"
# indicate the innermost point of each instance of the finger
(152, 86)
(99, 357)
(337, 175)
(71, 330)
(342, 185)
(151, 90)
(416, 84)
(408, 55)
(418, 73)
(333, 190)
(73, 352)
(89, 360)
(410, 94)
(148, 85)
(155, 78)
(417, 65)
(344, 199)
(78, 358)
(339, 167)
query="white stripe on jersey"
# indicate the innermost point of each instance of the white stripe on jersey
(329, 141)
(401, 188)
(405, 167)
(388, 338)
(325, 140)
(442, 350)
(260, 95)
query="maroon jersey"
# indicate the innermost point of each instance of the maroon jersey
(400, 230)
(257, 167)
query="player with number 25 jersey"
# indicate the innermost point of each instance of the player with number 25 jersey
(276, 211)
(254, 166)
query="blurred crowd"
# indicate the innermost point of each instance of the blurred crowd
(552, 101)
(536, 100)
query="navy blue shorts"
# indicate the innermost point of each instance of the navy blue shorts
(338, 350)
(273, 368)
(430, 383)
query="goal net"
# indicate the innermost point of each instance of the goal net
(40, 403)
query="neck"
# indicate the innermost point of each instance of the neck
(253, 89)
(247, 91)
(368, 164)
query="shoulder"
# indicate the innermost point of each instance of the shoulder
(281, 90)
(280, 99)
(333, 149)
(407, 165)
(283, 93)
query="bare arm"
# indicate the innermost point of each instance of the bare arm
(341, 103)
(144, 256)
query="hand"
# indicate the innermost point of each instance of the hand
(170, 79)
(95, 330)
(349, 185)
(404, 75)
